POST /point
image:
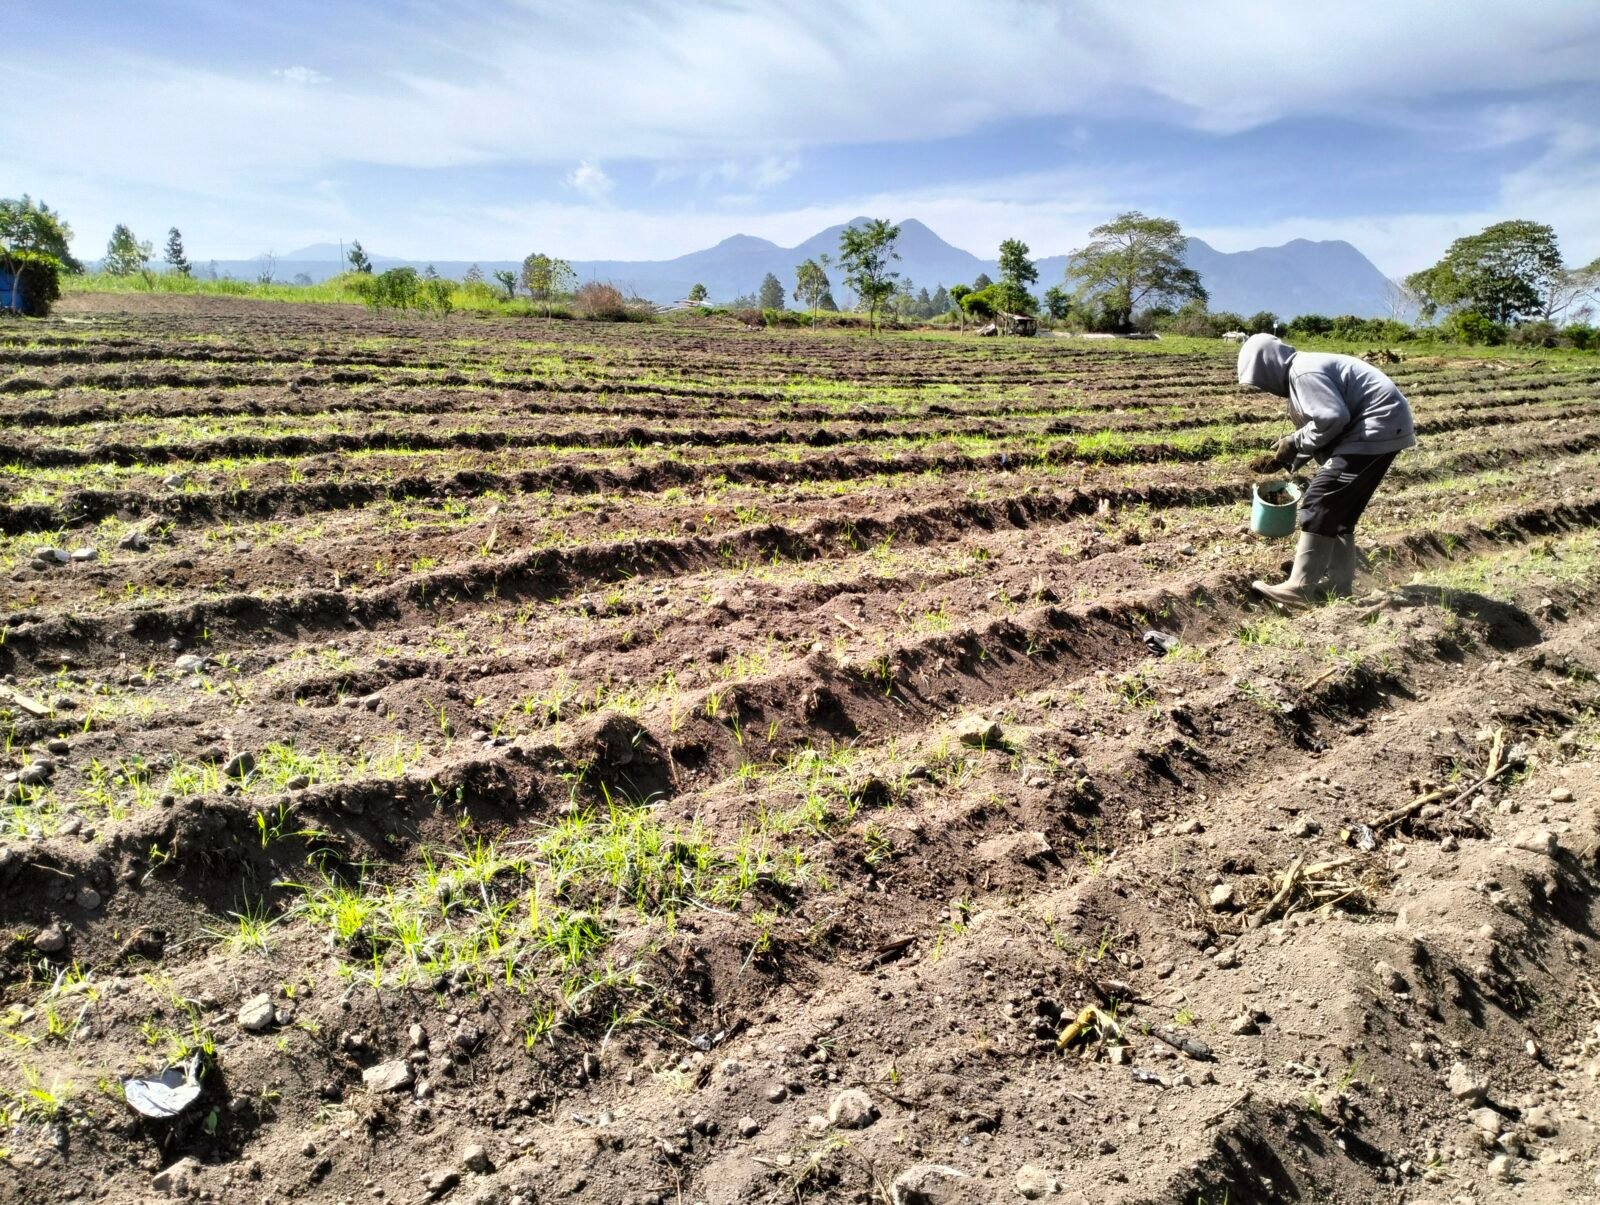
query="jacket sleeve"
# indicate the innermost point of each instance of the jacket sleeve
(1319, 400)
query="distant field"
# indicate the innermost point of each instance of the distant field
(606, 701)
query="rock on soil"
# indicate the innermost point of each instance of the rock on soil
(1467, 1087)
(388, 1077)
(257, 1013)
(919, 1184)
(852, 1109)
(1034, 1182)
(979, 732)
(178, 1179)
(1013, 847)
(1537, 841)
(50, 940)
(475, 1159)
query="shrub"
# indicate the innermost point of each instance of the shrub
(601, 303)
(1534, 334)
(40, 275)
(1310, 326)
(1469, 326)
(1581, 337)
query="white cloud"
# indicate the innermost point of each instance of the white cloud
(591, 180)
(302, 76)
(735, 94)
(663, 81)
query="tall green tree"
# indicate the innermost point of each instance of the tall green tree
(33, 227)
(698, 294)
(125, 254)
(939, 303)
(771, 292)
(981, 282)
(474, 276)
(865, 253)
(958, 297)
(1057, 302)
(1016, 274)
(546, 278)
(1133, 261)
(810, 283)
(359, 261)
(508, 282)
(176, 259)
(1506, 272)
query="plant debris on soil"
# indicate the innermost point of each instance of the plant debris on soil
(510, 762)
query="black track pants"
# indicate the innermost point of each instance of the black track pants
(1333, 502)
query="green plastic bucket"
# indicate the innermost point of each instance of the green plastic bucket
(1274, 519)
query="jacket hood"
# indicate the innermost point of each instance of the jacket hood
(1264, 363)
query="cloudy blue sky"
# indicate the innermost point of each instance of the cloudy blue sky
(433, 129)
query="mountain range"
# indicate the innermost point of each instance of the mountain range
(1299, 277)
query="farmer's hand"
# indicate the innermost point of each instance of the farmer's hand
(1284, 452)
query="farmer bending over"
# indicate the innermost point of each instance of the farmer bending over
(1350, 418)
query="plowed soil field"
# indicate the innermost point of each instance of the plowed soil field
(530, 762)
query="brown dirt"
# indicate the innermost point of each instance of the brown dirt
(730, 599)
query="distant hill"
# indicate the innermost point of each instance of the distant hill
(1300, 277)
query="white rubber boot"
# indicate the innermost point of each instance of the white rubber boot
(1342, 568)
(1311, 559)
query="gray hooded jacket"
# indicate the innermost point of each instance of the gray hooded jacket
(1341, 406)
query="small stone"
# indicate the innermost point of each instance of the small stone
(1537, 841)
(1305, 826)
(776, 1093)
(1561, 795)
(1222, 896)
(240, 765)
(1244, 1026)
(34, 774)
(257, 1013)
(190, 663)
(749, 1127)
(476, 1160)
(387, 1077)
(88, 897)
(978, 732)
(1188, 828)
(591, 1065)
(919, 1183)
(1541, 1121)
(1013, 848)
(1034, 1182)
(58, 747)
(1487, 1120)
(1511, 1143)
(1226, 959)
(1388, 978)
(51, 556)
(134, 541)
(1450, 844)
(298, 783)
(417, 1036)
(86, 553)
(441, 1182)
(1468, 1088)
(852, 1109)
(50, 939)
(1500, 1168)
(178, 1179)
